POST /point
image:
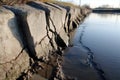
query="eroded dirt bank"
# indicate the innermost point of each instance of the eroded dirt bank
(33, 37)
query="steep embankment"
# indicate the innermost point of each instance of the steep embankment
(33, 37)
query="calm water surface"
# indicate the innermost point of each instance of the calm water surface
(101, 34)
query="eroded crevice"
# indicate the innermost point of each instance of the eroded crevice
(59, 41)
(68, 23)
(48, 70)
(65, 26)
(53, 26)
(65, 29)
(50, 39)
(33, 68)
(74, 25)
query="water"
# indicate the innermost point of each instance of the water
(101, 34)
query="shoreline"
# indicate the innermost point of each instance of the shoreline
(77, 62)
(83, 59)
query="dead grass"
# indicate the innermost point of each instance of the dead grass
(59, 2)
(65, 3)
(47, 0)
(12, 2)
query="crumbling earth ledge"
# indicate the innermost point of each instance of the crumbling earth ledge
(33, 37)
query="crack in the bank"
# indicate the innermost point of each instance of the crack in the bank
(91, 62)
(48, 20)
(14, 58)
(42, 40)
(50, 39)
(53, 25)
(59, 41)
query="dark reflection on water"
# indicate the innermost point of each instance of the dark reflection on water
(102, 36)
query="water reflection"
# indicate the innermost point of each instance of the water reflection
(102, 36)
(104, 15)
